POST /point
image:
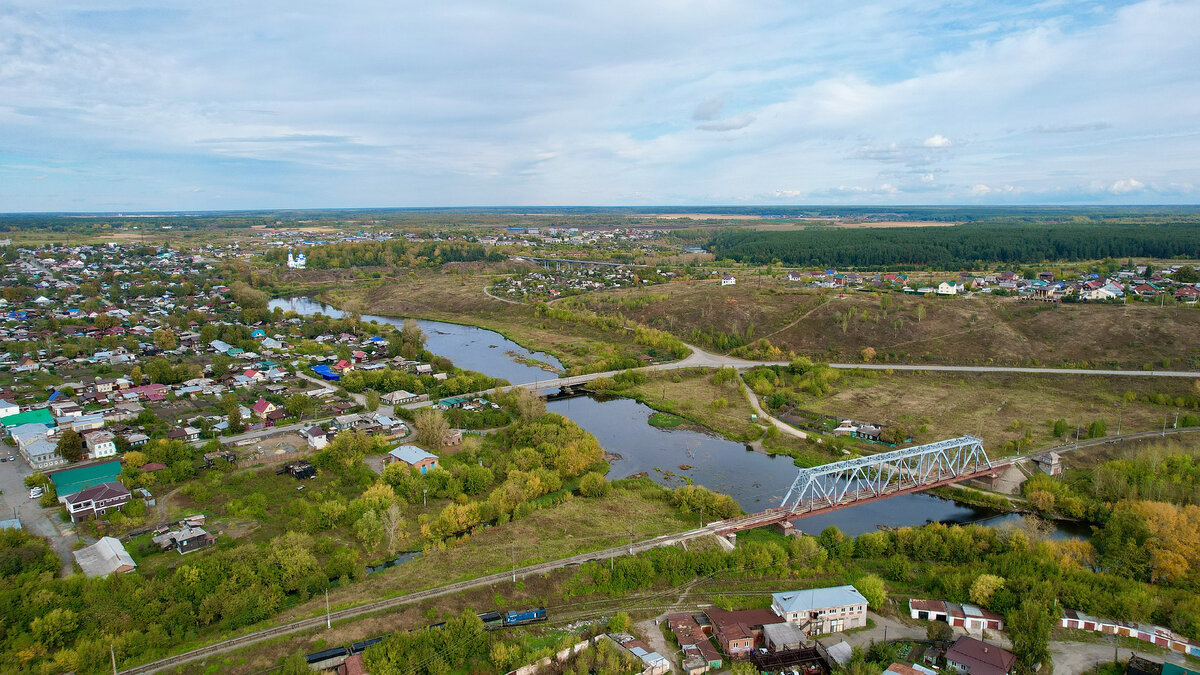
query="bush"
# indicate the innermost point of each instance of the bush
(594, 485)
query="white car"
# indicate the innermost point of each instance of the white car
(35, 493)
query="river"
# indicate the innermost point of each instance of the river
(757, 481)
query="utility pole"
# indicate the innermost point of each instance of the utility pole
(425, 495)
(328, 623)
(631, 539)
(112, 653)
(1164, 429)
(513, 545)
(1176, 425)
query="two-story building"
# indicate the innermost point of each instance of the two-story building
(96, 500)
(818, 611)
(100, 444)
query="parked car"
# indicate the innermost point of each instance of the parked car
(35, 493)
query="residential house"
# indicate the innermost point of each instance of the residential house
(186, 539)
(96, 500)
(100, 444)
(263, 407)
(950, 288)
(400, 397)
(653, 663)
(699, 656)
(1188, 294)
(976, 657)
(8, 408)
(970, 617)
(317, 437)
(794, 277)
(817, 611)
(738, 631)
(728, 280)
(414, 457)
(105, 557)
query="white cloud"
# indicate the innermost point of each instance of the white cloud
(937, 141)
(1126, 185)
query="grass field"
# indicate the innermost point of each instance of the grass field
(968, 331)
(691, 394)
(460, 298)
(576, 526)
(1000, 408)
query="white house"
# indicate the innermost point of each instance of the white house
(7, 408)
(949, 288)
(728, 280)
(101, 444)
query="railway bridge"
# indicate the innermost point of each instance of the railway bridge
(839, 485)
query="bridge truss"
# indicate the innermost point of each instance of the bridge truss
(910, 469)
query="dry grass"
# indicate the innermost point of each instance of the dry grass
(574, 527)
(965, 331)
(999, 408)
(691, 393)
(460, 298)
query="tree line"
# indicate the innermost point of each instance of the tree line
(956, 247)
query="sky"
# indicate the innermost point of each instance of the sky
(253, 104)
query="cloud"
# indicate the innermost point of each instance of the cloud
(1069, 128)
(1126, 185)
(275, 104)
(728, 124)
(709, 109)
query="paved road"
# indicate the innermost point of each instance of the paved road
(701, 358)
(15, 502)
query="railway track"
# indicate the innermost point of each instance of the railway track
(410, 598)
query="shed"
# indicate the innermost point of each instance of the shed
(783, 636)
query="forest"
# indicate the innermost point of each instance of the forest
(957, 247)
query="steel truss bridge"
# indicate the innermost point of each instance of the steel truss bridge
(914, 469)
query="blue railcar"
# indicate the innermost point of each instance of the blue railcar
(524, 617)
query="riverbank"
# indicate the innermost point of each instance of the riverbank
(579, 347)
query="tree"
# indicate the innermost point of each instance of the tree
(52, 628)
(393, 526)
(1061, 428)
(431, 427)
(298, 405)
(1029, 628)
(412, 334)
(135, 459)
(984, 588)
(594, 485)
(920, 311)
(369, 529)
(868, 353)
(164, 339)
(70, 446)
(873, 589)
(620, 623)
(372, 400)
(1098, 429)
(528, 404)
